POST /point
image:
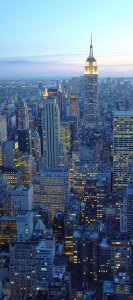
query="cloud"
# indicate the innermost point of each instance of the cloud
(116, 65)
(62, 64)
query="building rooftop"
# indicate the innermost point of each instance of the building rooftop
(8, 218)
(86, 232)
(26, 213)
(108, 287)
(123, 113)
(40, 226)
(45, 245)
(104, 244)
(23, 187)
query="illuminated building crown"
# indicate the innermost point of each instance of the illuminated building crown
(91, 63)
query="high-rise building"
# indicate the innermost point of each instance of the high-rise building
(22, 198)
(122, 149)
(73, 105)
(120, 256)
(126, 215)
(60, 287)
(22, 269)
(90, 90)
(3, 128)
(44, 260)
(24, 140)
(23, 116)
(8, 230)
(24, 162)
(9, 152)
(52, 187)
(65, 136)
(13, 176)
(4, 196)
(35, 145)
(24, 222)
(104, 259)
(85, 244)
(51, 132)
(31, 262)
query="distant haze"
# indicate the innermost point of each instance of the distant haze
(51, 38)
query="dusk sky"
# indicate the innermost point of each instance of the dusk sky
(51, 38)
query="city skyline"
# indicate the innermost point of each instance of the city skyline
(47, 39)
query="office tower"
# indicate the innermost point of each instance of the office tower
(9, 152)
(22, 198)
(8, 229)
(51, 133)
(60, 265)
(5, 208)
(24, 223)
(60, 100)
(120, 256)
(24, 140)
(65, 136)
(90, 90)
(13, 176)
(85, 244)
(22, 269)
(62, 155)
(104, 259)
(1, 290)
(73, 105)
(126, 213)
(71, 220)
(31, 261)
(118, 289)
(122, 150)
(35, 145)
(44, 260)
(23, 116)
(52, 187)
(58, 226)
(101, 192)
(3, 128)
(24, 162)
(60, 287)
(1, 155)
(36, 149)
(12, 123)
(43, 209)
(38, 122)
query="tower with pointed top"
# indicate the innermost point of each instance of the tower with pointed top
(90, 89)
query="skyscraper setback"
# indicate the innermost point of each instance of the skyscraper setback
(90, 89)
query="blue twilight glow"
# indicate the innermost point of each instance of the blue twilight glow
(51, 37)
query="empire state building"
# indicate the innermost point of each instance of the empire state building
(90, 90)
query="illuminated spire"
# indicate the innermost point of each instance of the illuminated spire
(91, 48)
(91, 63)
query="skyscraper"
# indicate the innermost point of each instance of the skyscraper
(90, 90)
(126, 216)
(122, 149)
(3, 128)
(24, 140)
(9, 151)
(23, 116)
(52, 187)
(51, 132)
(22, 198)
